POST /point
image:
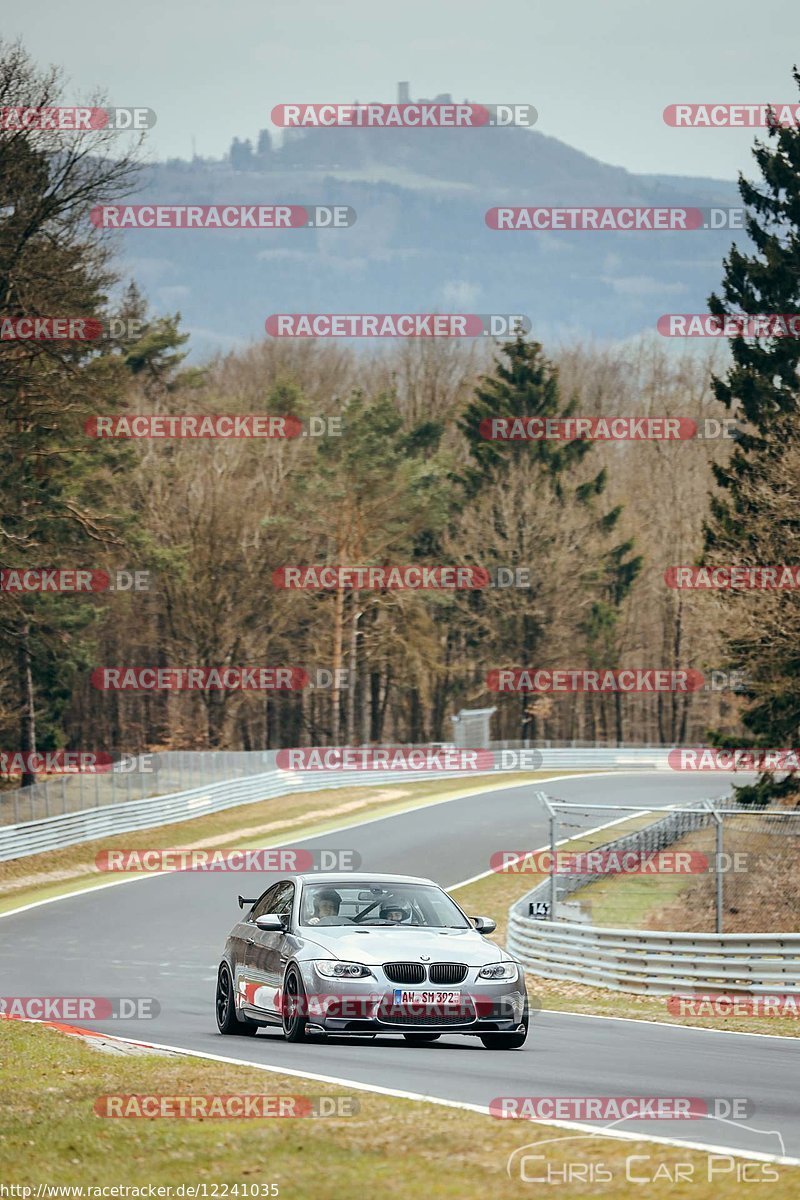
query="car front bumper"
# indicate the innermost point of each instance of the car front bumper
(370, 1006)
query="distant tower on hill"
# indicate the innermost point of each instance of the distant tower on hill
(403, 93)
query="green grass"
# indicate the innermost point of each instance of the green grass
(621, 901)
(393, 1148)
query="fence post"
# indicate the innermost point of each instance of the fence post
(552, 823)
(720, 848)
(720, 843)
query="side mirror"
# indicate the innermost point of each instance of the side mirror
(271, 923)
(484, 924)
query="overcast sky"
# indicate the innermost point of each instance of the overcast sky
(600, 72)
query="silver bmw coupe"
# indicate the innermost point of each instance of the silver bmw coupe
(361, 955)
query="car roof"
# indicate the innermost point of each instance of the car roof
(344, 877)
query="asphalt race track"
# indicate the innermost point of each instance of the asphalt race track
(162, 937)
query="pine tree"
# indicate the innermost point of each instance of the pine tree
(56, 489)
(761, 388)
(525, 384)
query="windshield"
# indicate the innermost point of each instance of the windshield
(387, 904)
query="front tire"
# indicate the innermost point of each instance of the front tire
(294, 1004)
(227, 1021)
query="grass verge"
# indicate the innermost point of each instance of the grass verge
(395, 1148)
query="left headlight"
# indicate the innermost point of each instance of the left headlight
(334, 968)
(502, 970)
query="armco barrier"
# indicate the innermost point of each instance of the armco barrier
(23, 838)
(655, 961)
(66, 829)
(661, 963)
(171, 771)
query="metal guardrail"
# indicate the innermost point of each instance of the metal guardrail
(120, 814)
(660, 963)
(175, 771)
(67, 829)
(649, 961)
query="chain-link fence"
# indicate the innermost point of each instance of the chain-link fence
(708, 867)
(159, 774)
(133, 778)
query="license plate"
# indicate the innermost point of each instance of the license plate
(417, 996)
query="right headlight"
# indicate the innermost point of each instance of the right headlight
(506, 971)
(334, 968)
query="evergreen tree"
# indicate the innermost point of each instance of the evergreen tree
(762, 388)
(525, 384)
(56, 488)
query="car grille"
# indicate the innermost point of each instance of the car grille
(405, 972)
(430, 1016)
(447, 972)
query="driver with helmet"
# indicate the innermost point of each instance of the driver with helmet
(395, 911)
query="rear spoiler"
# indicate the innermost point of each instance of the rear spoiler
(243, 900)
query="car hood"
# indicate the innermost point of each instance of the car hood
(381, 945)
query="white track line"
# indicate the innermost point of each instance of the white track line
(421, 1097)
(565, 1012)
